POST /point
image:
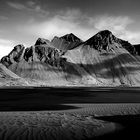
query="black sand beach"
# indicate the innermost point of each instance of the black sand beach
(119, 106)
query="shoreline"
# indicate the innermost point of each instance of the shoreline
(128, 127)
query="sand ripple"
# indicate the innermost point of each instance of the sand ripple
(65, 125)
(52, 126)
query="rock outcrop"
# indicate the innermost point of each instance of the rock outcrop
(106, 41)
(67, 42)
(137, 48)
(44, 54)
(106, 58)
(129, 47)
(42, 41)
(14, 56)
(42, 63)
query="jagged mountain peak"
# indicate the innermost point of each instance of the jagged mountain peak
(37, 53)
(66, 42)
(55, 37)
(102, 38)
(42, 41)
(14, 56)
(105, 32)
(71, 37)
(106, 41)
(19, 46)
(17, 49)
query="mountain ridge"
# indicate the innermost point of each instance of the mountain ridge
(101, 60)
(66, 42)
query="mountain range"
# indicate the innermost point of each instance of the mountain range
(102, 60)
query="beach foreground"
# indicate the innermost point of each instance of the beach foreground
(63, 114)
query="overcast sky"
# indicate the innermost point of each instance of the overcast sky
(23, 21)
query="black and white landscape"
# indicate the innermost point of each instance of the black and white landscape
(69, 70)
(102, 60)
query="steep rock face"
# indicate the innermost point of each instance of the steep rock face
(44, 63)
(14, 56)
(137, 47)
(38, 53)
(106, 41)
(67, 42)
(103, 41)
(42, 41)
(129, 47)
(45, 54)
(105, 58)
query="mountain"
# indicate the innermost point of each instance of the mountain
(102, 60)
(106, 58)
(137, 48)
(45, 42)
(105, 41)
(8, 78)
(42, 63)
(129, 47)
(42, 41)
(14, 56)
(67, 42)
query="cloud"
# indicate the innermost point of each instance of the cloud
(74, 21)
(62, 23)
(16, 5)
(29, 6)
(31, 3)
(111, 22)
(4, 41)
(84, 26)
(5, 47)
(3, 17)
(118, 25)
(132, 37)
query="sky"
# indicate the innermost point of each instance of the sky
(24, 21)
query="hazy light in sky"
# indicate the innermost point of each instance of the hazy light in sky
(5, 47)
